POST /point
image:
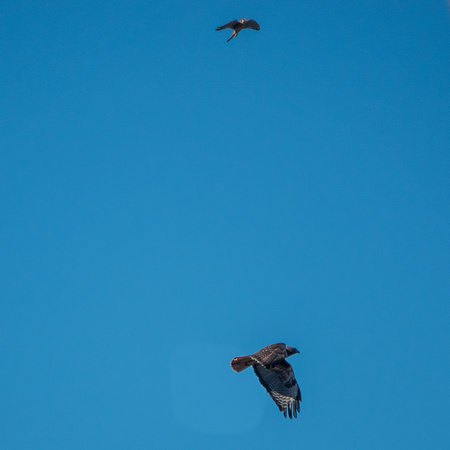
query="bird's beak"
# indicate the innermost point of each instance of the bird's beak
(293, 350)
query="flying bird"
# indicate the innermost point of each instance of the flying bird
(275, 374)
(238, 25)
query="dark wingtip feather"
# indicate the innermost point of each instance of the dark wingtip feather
(252, 25)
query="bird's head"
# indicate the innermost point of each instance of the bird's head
(291, 351)
(243, 20)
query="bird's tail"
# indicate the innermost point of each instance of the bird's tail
(232, 36)
(241, 363)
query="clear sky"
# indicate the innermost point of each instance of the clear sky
(170, 201)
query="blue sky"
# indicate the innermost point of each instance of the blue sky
(170, 201)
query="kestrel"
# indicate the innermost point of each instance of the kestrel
(238, 25)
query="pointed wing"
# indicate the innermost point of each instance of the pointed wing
(251, 24)
(229, 25)
(281, 385)
(270, 354)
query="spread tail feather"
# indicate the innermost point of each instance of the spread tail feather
(241, 363)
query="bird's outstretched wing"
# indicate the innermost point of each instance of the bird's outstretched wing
(281, 385)
(229, 25)
(251, 24)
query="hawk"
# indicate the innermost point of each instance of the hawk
(275, 374)
(238, 25)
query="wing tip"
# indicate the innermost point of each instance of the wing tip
(292, 409)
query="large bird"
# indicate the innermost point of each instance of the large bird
(275, 374)
(238, 25)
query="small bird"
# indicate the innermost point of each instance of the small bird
(275, 374)
(238, 25)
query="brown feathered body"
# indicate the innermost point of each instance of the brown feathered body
(275, 374)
